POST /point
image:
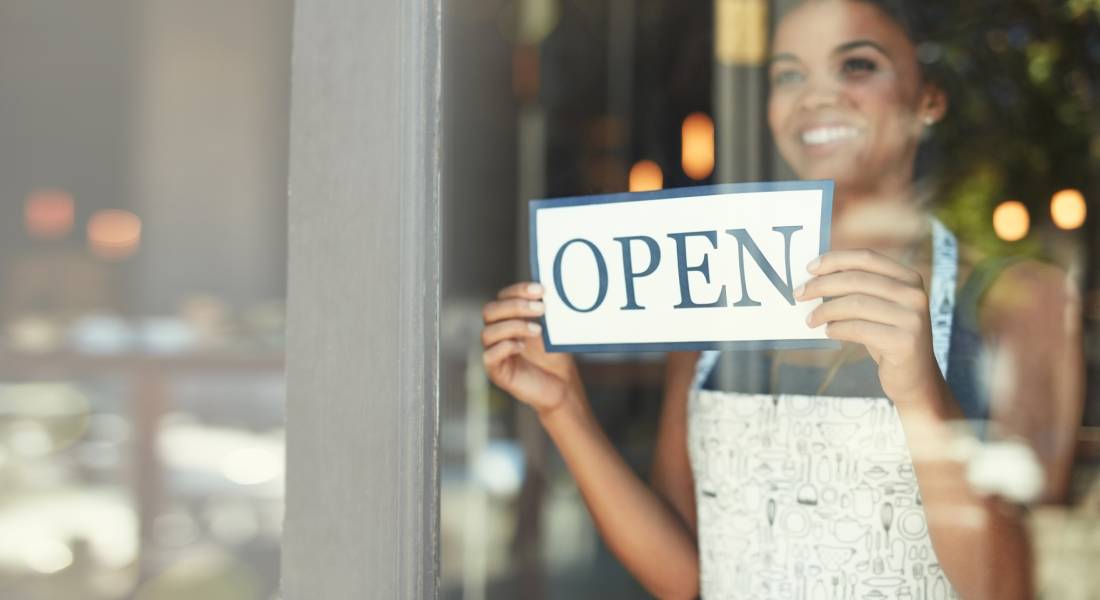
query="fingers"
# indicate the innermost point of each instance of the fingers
(512, 308)
(866, 308)
(867, 283)
(861, 332)
(517, 301)
(525, 289)
(499, 352)
(864, 260)
(517, 329)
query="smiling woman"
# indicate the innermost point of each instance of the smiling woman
(925, 326)
(851, 102)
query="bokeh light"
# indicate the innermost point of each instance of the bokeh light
(646, 176)
(114, 234)
(49, 213)
(48, 556)
(1011, 221)
(537, 19)
(1067, 209)
(42, 417)
(39, 531)
(697, 149)
(249, 466)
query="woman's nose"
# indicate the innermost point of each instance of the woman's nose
(817, 96)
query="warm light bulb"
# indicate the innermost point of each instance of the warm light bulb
(1011, 221)
(114, 234)
(697, 146)
(1067, 209)
(646, 176)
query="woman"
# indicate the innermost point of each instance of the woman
(828, 474)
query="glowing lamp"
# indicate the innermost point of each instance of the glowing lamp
(1067, 209)
(697, 146)
(1011, 221)
(646, 176)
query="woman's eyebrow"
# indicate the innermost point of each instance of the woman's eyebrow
(860, 44)
(781, 57)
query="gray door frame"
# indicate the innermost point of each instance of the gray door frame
(362, 497)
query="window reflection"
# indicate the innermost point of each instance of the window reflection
(1006, 166)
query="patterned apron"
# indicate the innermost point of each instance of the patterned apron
(815, 497)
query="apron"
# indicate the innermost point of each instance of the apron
(803, 497)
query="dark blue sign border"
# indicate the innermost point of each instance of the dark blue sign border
(826, 188)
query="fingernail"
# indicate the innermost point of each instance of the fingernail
(814, 264)
(534, 327)
(534, 288)
(810, 319)
(798, 291)
(537, 307)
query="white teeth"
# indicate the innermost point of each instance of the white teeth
(825, 135)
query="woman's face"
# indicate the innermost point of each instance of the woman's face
(847, 99)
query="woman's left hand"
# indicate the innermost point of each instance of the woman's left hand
(877, 302)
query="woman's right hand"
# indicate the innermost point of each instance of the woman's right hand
(514, 355)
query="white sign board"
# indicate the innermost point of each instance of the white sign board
(693, 268)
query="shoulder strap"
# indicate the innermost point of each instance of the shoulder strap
(703, 368)
(942, 296)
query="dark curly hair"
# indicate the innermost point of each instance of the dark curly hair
(924, 23)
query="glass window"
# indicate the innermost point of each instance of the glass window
(861, 472)
(142, 182)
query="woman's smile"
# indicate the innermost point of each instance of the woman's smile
(825, 140)
(828, 134)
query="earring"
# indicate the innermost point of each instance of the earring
(929, 120)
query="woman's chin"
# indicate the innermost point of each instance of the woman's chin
(844, 173)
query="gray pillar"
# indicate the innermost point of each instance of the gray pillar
(363, 284)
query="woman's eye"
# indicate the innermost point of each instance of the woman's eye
(858, 66)
(786, 78)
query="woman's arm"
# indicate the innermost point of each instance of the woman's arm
(646, 535)
(644, 532)
(1031, 316)
(671, 473)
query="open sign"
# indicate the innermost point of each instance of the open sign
(692, 268)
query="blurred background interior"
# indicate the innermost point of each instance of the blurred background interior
(143, 150)
(143, 153)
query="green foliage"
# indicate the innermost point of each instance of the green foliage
(1023, 77)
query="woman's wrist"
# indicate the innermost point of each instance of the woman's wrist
(932, 399)
(928, 416)
(571, 408)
